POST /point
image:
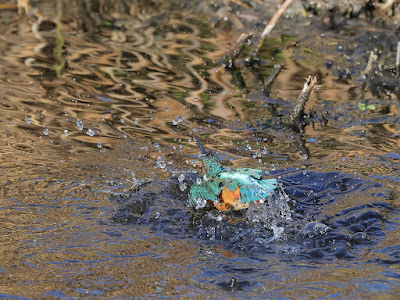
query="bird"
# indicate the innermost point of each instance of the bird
(228, 190)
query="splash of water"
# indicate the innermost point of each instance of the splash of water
(276, 210)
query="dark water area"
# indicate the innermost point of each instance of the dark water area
(98, 108)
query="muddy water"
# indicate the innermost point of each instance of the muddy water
(96, 163)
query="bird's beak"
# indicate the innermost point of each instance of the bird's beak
(200, 145)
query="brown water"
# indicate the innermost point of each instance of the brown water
(95, 162)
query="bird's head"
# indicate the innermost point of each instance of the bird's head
(211, 164)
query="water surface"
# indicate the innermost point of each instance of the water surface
(97, 162)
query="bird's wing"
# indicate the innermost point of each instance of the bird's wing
(268, 185)
(255, 173)
(260, 190)
(251, 188)
(205, 190)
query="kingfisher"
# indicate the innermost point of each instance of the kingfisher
(228, 190)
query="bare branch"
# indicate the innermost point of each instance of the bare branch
(239, 47)
(302, 101)
(272, 24)
(398, 60)
(268, 82)
(372, 58)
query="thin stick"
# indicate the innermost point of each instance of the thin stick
(271, 24)
(240, 3)
(271, 78)
(302, 101)
(239, 46)
(372, 58)
(398, 104)
(398, 60)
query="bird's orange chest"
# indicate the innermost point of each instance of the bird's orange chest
(228, 200)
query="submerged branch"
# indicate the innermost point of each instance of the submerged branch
(269, 81)
(60, 62)
(230, 58)
(240, 45)
(398, 60)
(298, 110)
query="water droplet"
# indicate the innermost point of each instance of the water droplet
(200, 203)
(122, 121)
(182, 186)
(178, 120)
(248, 146)
(157, 146)
(79, 123)
(66, 132)
(167, 108)
(28, 120)
(99, 145)
(91, 132)
(160, 162)
(196, 99)
(45, 131)
(181, 177)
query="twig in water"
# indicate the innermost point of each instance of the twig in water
(241, 3)
(301, 102)
(372, 58)
(271, 25)
(230, 59)
(58, 49)
(268, 82)
(398, 60)
(237, 50)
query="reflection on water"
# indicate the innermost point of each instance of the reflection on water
(97, 162)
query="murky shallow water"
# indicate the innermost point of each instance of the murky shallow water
(93, 201)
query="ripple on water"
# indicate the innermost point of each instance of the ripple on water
(314, 229)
